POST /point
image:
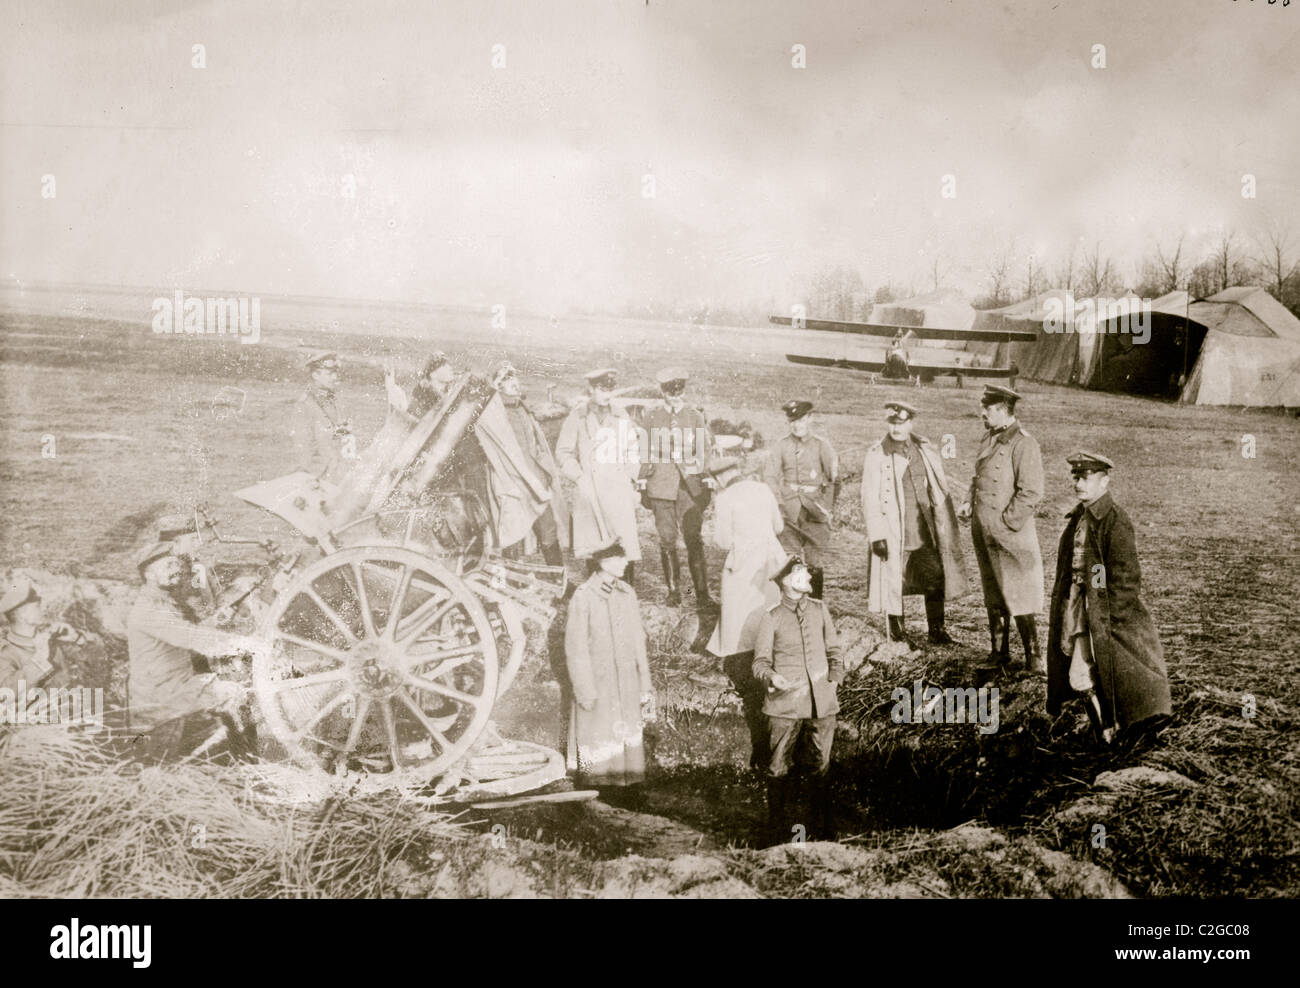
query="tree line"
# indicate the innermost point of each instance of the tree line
(1270, 258)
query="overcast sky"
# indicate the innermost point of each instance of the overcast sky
(524, 184)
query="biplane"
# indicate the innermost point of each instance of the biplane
(898, 362)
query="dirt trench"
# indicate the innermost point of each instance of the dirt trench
(906, 803)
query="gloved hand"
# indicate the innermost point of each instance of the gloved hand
(880, 548)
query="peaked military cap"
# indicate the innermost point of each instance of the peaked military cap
(322, 358)
(994, 393)
(796, 409)
(785, 570)
(900, 411)
(606, 378)
(671, 375)
(1083, 460)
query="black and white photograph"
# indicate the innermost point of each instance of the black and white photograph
(651, 449)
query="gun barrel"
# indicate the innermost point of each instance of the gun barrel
(449, 429)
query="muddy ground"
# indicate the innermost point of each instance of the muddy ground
(1210, 810)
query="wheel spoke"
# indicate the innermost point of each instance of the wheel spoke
(395, 606)
(321, 714)
(390, 726)
(330, 613)
(416, 655)
(425, 616)
(367, 619)
(354, 735)
(424, 720)
(338, 654)
(448, 666)
(315, 679)
(451, 693)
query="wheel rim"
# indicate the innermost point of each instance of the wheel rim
(512, 641)
(380, 660)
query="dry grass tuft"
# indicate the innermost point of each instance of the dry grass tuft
(77, 822)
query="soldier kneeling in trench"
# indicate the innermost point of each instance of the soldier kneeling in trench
(1103, 646)
(168, 683)
(796, 656)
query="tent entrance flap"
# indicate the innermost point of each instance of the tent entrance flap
(1156, 361)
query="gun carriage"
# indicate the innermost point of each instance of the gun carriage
(392, 634)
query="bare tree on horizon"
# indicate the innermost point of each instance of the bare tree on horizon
(1274, 246)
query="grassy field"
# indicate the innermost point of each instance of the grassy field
(133, 426)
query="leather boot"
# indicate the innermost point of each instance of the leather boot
(824, 807)
(999, 648)
(897, 632)
(993, 631)
(1092, 704)
(699, 577)
(996, 631)
(672, 575)
(778, 794)
(817, 576)
(1028, 628)
(553, 554)
(934, 621)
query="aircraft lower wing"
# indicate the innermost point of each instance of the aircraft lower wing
(919, 332)
(925, 371)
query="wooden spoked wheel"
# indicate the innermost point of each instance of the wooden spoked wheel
(379, 660)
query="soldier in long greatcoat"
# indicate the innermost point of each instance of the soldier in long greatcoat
(912, 526)
(605, 655)
(1004, 494)
(599, 449)
(1102, 645)
(551, 528)
(747, 523)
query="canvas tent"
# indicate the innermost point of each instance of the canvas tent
(940, 309)
(1250, 354)
(1079, 338)
(1052, 356)
(1239, 347)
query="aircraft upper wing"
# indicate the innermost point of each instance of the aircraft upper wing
(920, 332)
(877, 366)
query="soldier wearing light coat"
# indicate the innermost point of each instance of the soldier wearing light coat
(599, 450)
(1005, 492)
(912, 526)
(747, 522)
(605, 656)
